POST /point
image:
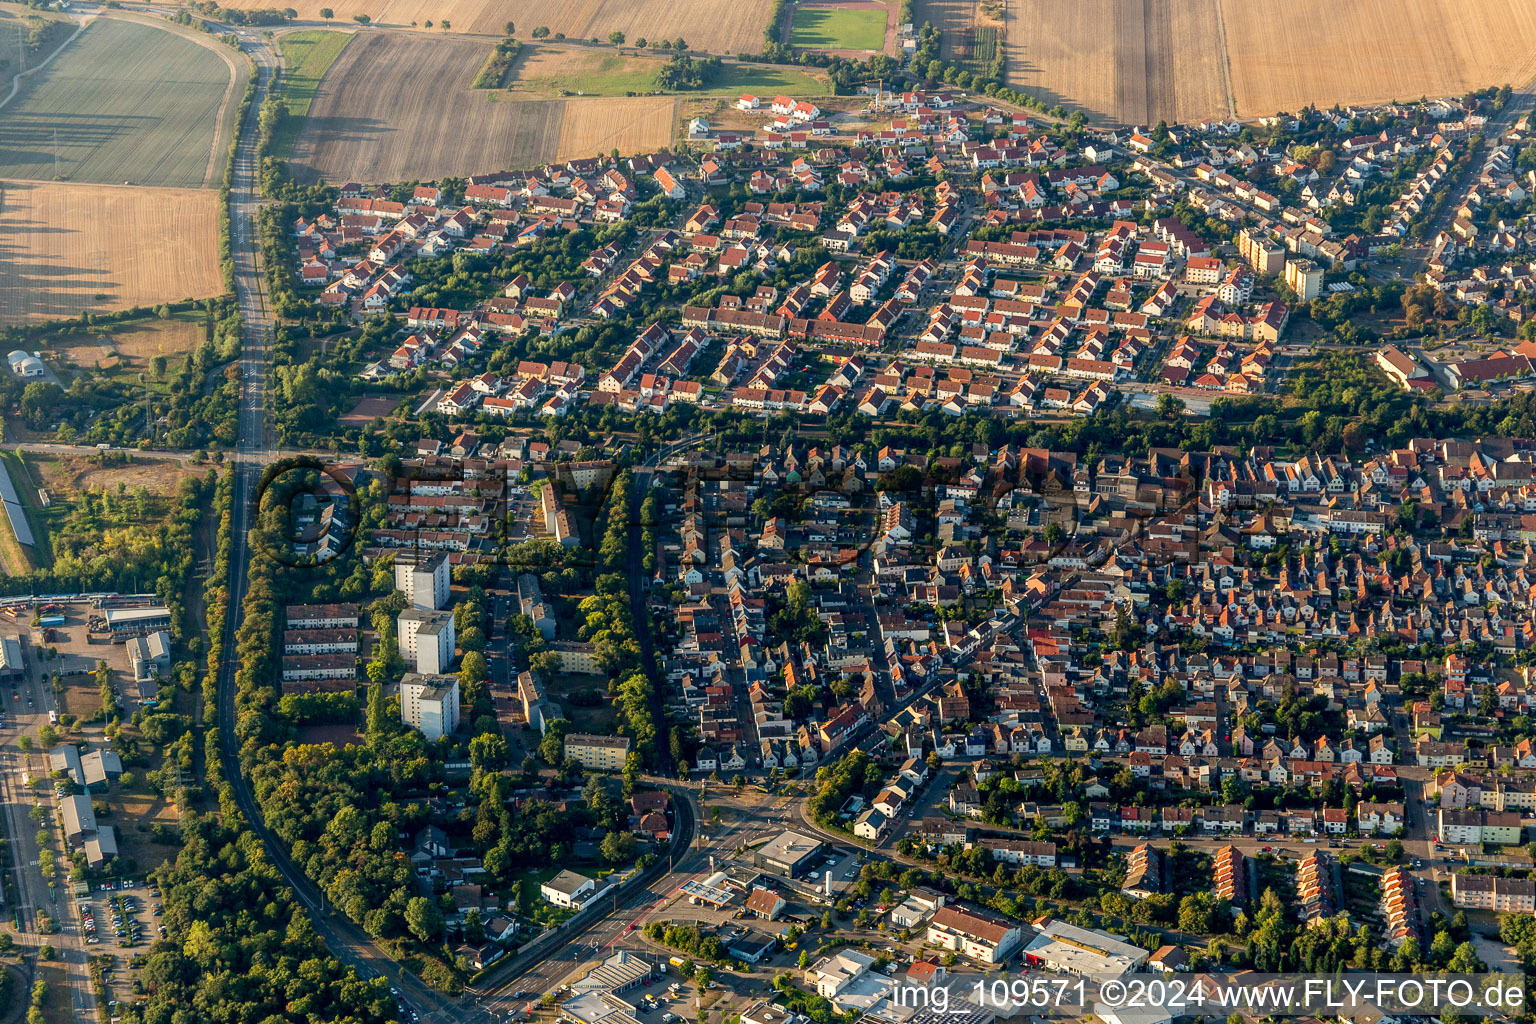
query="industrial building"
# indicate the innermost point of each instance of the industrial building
(1059, 946)
(127, 622)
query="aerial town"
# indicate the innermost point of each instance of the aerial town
(847, 525)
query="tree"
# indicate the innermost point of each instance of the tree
(378, 712)
(489, 752)
(361, 19)
(618, 847)
(327, 14)
(552, 746)
(616, 38)
(446, 25)
(423, 918)
(511, 29)
(473, 669)
(542, 32)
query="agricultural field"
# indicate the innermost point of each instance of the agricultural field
(1123, 61)
(36, 32)
(839, 26)
(68, 248)
(125, 102)
(547, 72)
(307, 56)
(399, 107)
(1285, 55)
(712, 26)
(966, 27)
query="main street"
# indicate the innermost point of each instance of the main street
(253, 450)
(32, 892)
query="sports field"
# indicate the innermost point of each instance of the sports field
(307, 56)
(67, 248)
(399, 106)
(856, 26)
(125, 102)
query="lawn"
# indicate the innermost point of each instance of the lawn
(571, 71)
(556, 71)
(533, 905)
(307, 56)
(838, 28)
(768, 78)
(39, 554)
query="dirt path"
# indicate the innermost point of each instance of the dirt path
(16, 78)
(1225, 59)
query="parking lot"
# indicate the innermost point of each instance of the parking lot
(126, 915)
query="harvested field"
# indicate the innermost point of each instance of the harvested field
(712, 26)
(398, 107)
(1123, 61)
(68, 248)
(962, 24)
(125, 102)
(1285, 55)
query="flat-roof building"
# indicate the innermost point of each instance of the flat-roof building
(597, 753)
(1059, 946)
(422, 576)
(426, 639)
(430, 704)
(126, 622)
(789, 853)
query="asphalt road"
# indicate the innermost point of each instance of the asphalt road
(253, 449)
(26, 715)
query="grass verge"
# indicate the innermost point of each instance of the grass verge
(307, 56)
